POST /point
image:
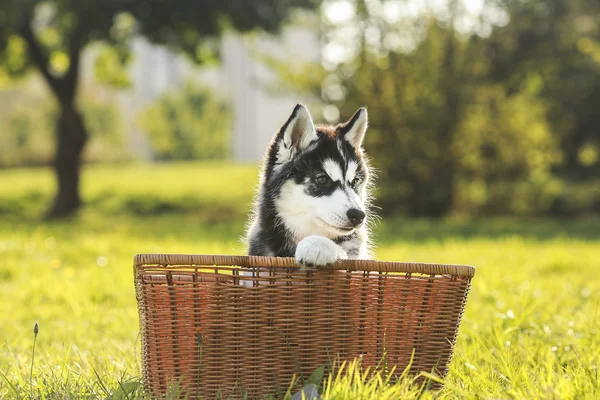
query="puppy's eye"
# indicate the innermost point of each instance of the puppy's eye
(355, 182)
(322, 180)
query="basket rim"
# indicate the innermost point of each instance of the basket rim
(290, 262)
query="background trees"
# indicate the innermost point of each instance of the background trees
(475, 107)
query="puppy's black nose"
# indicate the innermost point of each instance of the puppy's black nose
(355, 216)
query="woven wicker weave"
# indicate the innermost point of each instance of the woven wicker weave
(239, 324)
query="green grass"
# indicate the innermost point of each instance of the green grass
(530, 330)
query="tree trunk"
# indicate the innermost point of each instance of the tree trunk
(71, 134)
(71, 137)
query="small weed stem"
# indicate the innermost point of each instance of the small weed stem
(35, 333)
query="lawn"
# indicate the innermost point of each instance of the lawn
(530, 329)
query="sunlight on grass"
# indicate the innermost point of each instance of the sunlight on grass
(530, 328)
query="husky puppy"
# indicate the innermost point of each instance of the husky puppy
(313, 199)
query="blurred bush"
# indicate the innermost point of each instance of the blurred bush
(27, 123)
(108, 140)
(188, 124)
(577, 198)
(505, 151)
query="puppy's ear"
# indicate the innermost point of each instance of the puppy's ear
(297, 133)
(354, 130)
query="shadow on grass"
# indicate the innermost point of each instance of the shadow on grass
(184, 218)
(30, 206)
(186, 214)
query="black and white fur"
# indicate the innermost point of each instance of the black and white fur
(313, 200)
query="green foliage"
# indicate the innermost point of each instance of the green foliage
(109, 67)
(505, 153)
(189, 124)
(529, 329)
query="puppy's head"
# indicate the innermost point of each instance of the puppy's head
(321, 175)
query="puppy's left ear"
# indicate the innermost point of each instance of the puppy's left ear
(354, 130)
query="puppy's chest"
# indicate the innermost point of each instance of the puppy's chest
(351, 244)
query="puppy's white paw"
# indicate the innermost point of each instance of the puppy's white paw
(318, 251)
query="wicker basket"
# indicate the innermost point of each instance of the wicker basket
(239, 325)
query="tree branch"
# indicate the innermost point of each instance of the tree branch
(38, 56)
